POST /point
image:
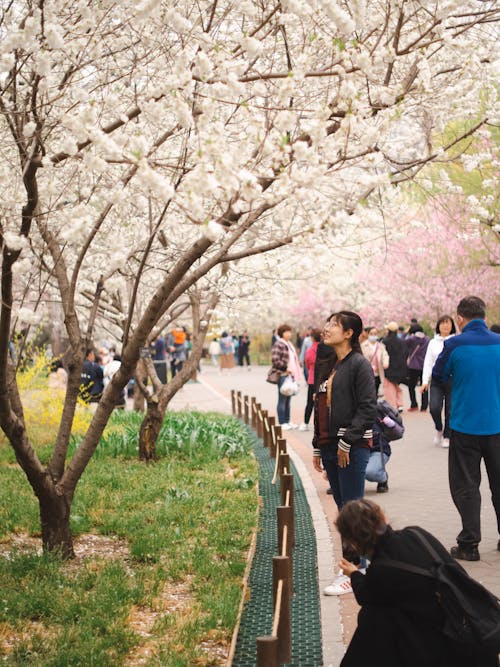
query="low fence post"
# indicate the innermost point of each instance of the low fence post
(272, 436)
(281, 569)
(267, 651)
(238, 402)
(265, 429)
(260, 423)
(246, 406)
(286, 537)
(233, 401)
(253, 405)
(286, 485)
(283, 464)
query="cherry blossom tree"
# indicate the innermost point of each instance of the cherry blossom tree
(438, 258)
(145, 144)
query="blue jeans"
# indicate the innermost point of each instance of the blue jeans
(283, 408)
(375, 470)
(346, 483)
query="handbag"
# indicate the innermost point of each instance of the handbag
(289, 387)
(273, 376)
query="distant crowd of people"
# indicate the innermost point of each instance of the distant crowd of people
(230, 350)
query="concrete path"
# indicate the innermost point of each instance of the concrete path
(418, 495)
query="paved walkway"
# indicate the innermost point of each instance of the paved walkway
(418, 495)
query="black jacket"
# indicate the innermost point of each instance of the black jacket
(400, 621)
(354, 404)
(397, 370)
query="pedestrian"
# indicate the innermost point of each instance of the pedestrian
(376, 353)
(309, 363)
(472, 361)
(416, 346)
(396, 371)
(177, 348)
(306, 345)
(226, 356)
(214, 351)
(400, 623)
(439, 394)
(346, 409)
(92, 379)
(284, 359)
(379, 456)
(244, 349)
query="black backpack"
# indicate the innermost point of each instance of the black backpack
(396, 432)
(472, 613)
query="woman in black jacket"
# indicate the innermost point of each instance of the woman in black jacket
(400, 622)
(346, 407)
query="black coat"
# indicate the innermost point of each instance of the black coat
(397, 370)
(400, 621)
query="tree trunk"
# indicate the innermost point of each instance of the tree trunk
(141, 375)
(150, 429)
(56, 531)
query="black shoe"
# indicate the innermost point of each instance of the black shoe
(330, 492)
(498, 545)
(465, 552)
(382, 487)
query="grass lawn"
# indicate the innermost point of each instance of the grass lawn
(161, 551)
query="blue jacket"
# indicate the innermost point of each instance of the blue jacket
(472, 360)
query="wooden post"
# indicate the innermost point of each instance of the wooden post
(259, 420)
(267, 652)
(272, 436)
(283, 464)
(233, 401)
(286, 518)
(281, 567)
(253, 409)
(265, 428)
(281, 443)
(238, 402)
(246, 405)
(286, 484)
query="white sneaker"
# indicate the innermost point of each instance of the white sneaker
(340, 586)
(304, 427)
(292, 425)
(438, 438)
(286, 427)
(445, 443)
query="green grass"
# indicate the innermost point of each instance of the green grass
(187, 521)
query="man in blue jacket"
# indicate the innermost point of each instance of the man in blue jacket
(472, 360)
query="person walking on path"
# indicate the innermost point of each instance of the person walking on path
(226, 356)
(416, 346)
(284, 359)
(244, 349)
(309, 363)
(401, 621)
(376, 353)
(439, 394)
(346, 408)
(214, 352)
(396, 371)
(472, 361)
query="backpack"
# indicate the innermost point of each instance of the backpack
(471, 612)
(390, 421)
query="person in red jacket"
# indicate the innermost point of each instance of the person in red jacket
(309, 362)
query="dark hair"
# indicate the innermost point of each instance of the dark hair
(316, 335)
(414, 329)
(495, 328)
(472, 308)
(349, 320)
(361, 524)
(442, 319)
(88, 351)
(282, 328)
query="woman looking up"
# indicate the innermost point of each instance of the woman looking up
(346, 408)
